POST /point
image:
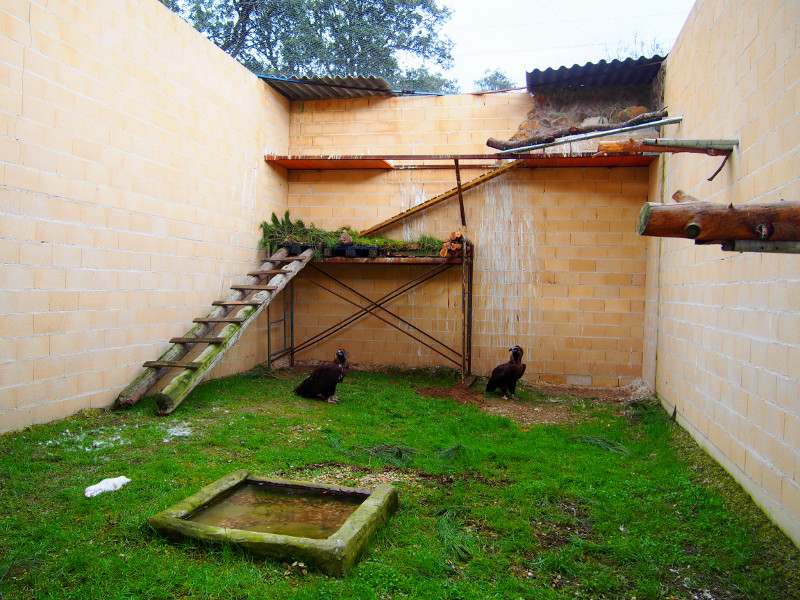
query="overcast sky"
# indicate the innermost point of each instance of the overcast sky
(518, 36)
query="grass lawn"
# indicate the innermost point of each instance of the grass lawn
(604, 502)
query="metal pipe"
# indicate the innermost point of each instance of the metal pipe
(460, 195)
(593, 134)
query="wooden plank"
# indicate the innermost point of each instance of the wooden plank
(218, 319)
(197, 340)
(325, 162)
(268, 272)
(442, 197)
(265, 288)
(236, 303)
(182, 364)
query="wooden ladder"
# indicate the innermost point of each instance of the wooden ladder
(250, 298)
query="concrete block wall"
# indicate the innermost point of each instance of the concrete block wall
(722, 332)
(132, 183)
(559, 268)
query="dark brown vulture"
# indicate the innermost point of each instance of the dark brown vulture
(504, 377)
(322, 381)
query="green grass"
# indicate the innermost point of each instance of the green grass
(614, 506)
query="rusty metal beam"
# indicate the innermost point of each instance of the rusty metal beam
(369, 309)
(407, 286)
(441, 266)
(363, 297)
(460, 195)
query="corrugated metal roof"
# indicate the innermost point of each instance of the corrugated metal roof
(325, 88)
(640, 71)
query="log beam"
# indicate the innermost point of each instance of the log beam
(707, 222)
(642, 146)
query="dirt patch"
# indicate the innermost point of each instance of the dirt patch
(555, 408)
(635, 391)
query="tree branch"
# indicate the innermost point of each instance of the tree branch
(552, 136)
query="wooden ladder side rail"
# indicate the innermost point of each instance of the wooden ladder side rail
(442, 197)
(151, 375)
(185, 381)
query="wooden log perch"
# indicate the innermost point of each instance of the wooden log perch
(707, 222)
(552, 136)
(641, 146)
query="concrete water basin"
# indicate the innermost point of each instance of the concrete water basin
(324, 525)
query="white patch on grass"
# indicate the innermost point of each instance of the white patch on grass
(107, 485)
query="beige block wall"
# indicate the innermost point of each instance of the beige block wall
(559, 269)
(722, 333)
(132, 184)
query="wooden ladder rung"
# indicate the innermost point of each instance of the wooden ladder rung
(236, 303)
(219, 320)
(267, 288)
(183, 364)
(268, 272)
(286, 259)
(198, 340)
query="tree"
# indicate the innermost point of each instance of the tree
(494, 80)
(305, 38)
(636, 47)
(422, 80)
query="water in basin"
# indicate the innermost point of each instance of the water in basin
(280, 510)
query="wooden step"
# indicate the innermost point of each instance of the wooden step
(253, 288)
(236, 303)
(219, 320)
(268, 272)
(198, 340)
(183, 364)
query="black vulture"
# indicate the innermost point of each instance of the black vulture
(504, 377)
(322, 381)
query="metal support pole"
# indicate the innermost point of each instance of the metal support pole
(269, 340)
(460, 195)
(291, 316)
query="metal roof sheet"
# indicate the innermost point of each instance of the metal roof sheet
(640, 71)
(326, 88)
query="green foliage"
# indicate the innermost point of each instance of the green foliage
(304, 38)
(457, 541)
(488, 510)
(494, 80)
(424, 80)
(601, 442)
(277, 232)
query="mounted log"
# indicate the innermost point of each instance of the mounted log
(707, 222)
(642, 146)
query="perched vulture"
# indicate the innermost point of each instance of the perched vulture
(504, 377)
(322, 381)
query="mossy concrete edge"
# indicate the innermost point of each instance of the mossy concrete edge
(333, 556)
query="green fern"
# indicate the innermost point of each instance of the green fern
(278, 232)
